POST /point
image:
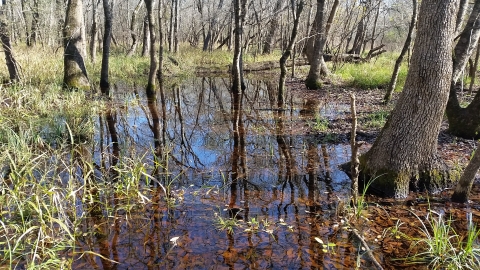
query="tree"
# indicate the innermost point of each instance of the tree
(75, 73)
(405, 153)
(288, 52)
(107, 38)
(406, 47)
(10, 61)
(239, 8)
(465, 122)
(313, 80)
(464, 185)
(153, 53)
(94, 32)
(133, 32)
(268, 45)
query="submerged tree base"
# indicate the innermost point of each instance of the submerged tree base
(397, 184)
(313, 84)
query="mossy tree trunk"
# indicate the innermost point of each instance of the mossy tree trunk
(313, 80)
(404, 155)
(465, 122)
(153, 52)
(75, 73)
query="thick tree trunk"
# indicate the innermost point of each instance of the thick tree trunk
(268, 45)
(153, 53)
(107, 38)
(465, 122)
(464, 185)
(313, 80)
(75, 73)
(406, 47)
(404, 155)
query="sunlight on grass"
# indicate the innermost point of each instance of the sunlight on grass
(373, 74)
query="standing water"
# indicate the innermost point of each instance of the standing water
(228, 182)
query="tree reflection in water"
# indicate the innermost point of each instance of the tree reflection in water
(254, 157)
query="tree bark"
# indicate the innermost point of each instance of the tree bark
(406, 47)
(75, 73)
(462, 10)
(107, 38)
(94, 32)
(153, 53)
(133, 32)
(287, 53)
(464, 185)
(238, 84)
(146, 38)
(404, 155)
(313, 80)
(465, 122)
(10, 61)
(35, 21)
(268, 45)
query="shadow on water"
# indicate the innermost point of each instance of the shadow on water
(251, 164)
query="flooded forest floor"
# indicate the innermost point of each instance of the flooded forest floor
(200, 178)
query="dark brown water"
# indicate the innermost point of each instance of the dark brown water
(228, 156)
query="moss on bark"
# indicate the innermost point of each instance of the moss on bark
(313, 84)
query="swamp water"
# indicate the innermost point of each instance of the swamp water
(229, 157)
(227, 182)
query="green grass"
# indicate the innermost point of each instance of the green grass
(376, 119)
(372, 75)
(443, 248)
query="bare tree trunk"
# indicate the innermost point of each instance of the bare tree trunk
(60, 12)
(10, 61)
(313, 80)
(94, 32)
(287, 53)
(406, 47)
(146, 38)
(153, 53)
(28, 34)
(107, 38)
(328, 25)
(162, 48)
(35, 21)
(75, 73)
(175, 28)
(372, 44)
(405, 153)
(268, 45)
(238, 84)
(462, 10)
(133, 31)
(464, 185)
